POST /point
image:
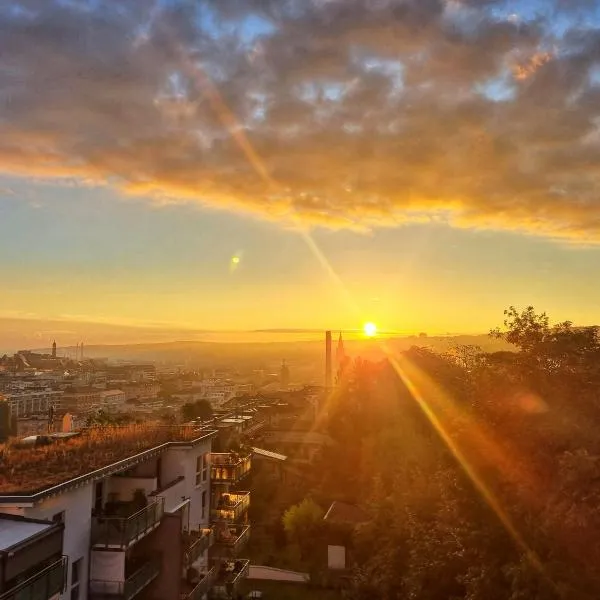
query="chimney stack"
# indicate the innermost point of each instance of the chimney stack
(328, 371)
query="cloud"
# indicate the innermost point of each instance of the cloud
(353, 113)
(525, 70)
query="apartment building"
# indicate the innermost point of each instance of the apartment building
(129, 514)
(33, 402)
(81, 399)
(31, 560)
(112, 400)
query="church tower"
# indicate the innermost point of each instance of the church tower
(340, 353)
(54, 349)
(341, 358)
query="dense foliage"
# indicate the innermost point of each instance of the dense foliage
(201, 409)
(481, 473)
(302, 523)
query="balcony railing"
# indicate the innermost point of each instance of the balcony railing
(229, 467)
(202, 587)
(229, 578)
(231, 506)
(231, 540)
(121, 532)
(42, 586)
(198, 543)
(128, 589)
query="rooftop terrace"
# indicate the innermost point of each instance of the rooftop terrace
(25, 471)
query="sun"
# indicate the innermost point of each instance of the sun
(370, 329)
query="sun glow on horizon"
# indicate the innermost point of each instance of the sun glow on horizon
(370, 329)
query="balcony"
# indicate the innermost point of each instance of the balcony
(231, 506)
(195, 544)
(229, 467)
(128, 589)
(196, 591)
(229, 577)
(42, 586)
(122, 532)
(230, 540)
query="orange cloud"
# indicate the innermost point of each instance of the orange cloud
(337, 114)
(525, 70)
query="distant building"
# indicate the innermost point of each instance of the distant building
(112, 400)
(131, 372)
(80, 399)
(33, 402)
(342, 519)
(285, 376)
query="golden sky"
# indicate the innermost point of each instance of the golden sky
(440, 155)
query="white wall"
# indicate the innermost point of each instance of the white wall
(107, 566)
(125, 487)
(336, 557)
(173, 495)
(182, 461)
(77, 505)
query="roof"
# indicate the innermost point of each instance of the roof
(86, 458)
(16, 531)
(269, 454)
(344, 513)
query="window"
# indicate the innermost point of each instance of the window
(199, 470)
(203, 504)
(202, 468)
(76, 570)
(205, 461)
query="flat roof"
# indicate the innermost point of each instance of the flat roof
(269, 454)
(106, 451)
(16, 532)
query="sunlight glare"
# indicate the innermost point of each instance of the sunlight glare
(370, 329)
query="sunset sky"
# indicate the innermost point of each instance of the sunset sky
(418, 164)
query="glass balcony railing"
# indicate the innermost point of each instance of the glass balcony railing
(131, 587)
(195, 544)
(42, 586)
(229, 577)
(121, 532)
(202, 587)
(229, 467)
(231, 540)
(231, 506)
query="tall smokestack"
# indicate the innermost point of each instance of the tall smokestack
(328, 373)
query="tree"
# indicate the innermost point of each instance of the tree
(554, 348)
(303, 523)
(525, 329)
(103, 417)
(200, 409)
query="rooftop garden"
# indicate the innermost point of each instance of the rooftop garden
(29, 470)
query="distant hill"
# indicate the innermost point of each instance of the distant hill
(305, 358)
